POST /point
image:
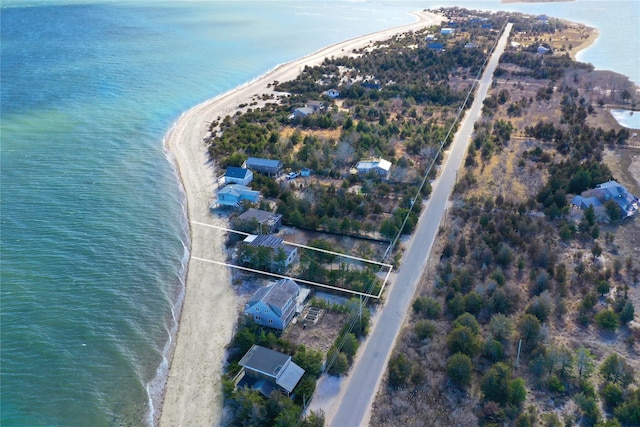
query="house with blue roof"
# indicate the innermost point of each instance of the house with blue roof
(234, 194)
(604, 192)
(236, 175)
(276, 305)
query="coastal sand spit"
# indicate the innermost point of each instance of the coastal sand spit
(193, 394)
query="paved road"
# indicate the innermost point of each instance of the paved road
(363, 383)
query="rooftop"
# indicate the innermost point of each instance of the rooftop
(264, 360)
(257, 161)
(236, 172)
(263, 217)
(278, 294)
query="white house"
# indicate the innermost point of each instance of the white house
(447, 31)
(379, 166)
(332, 93)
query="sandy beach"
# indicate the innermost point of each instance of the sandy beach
(193, 394)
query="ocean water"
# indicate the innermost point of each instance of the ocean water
(93, 227)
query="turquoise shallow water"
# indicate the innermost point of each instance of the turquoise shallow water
(93, 231)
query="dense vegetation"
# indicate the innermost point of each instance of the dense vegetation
(487, 342)
(514, 271)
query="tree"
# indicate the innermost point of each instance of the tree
(424, 329)
(613, 210)
(541, 306)
(468, 320)
(629, 411)
(314, 419)
(459, 369)
(616, 370)
(584, 363)
(498, 385)
(350, 345)
(399, 370)
(463, 340)
(428, 307)
(340, 365)
(501, 327)
(612, 395)
(607, 319)
(529, 328)
(309, 360)
(627, 312)
(589, 408)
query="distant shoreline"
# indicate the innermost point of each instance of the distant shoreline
(193, 392)
(536, 1)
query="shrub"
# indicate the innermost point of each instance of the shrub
(424, 329)
(468, 320)
(459, 369)
(611, 395)
(399, 370)
(607, 319)
(497, 385)
(340, 365)
(428, 307)
(463, 340)
(629, 412)
(616, 370)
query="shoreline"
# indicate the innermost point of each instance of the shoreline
(193, 391)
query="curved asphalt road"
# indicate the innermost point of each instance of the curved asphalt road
(367, 372)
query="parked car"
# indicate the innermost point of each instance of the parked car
(293, 175)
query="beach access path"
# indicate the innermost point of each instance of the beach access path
(193, 393)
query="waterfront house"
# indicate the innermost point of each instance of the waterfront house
(430, 37)
(267, 167)
(276, 246)
(266, 370)
(265, 222)
(274, 306)
(447, 31)
(378, 166)
(236, 175)
(234, 194)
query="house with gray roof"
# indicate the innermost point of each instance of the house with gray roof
(236, 175)
(276, 244)
(302, 112)
(266, 370)
(269, 167)
(275, 306)
(259, 221)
